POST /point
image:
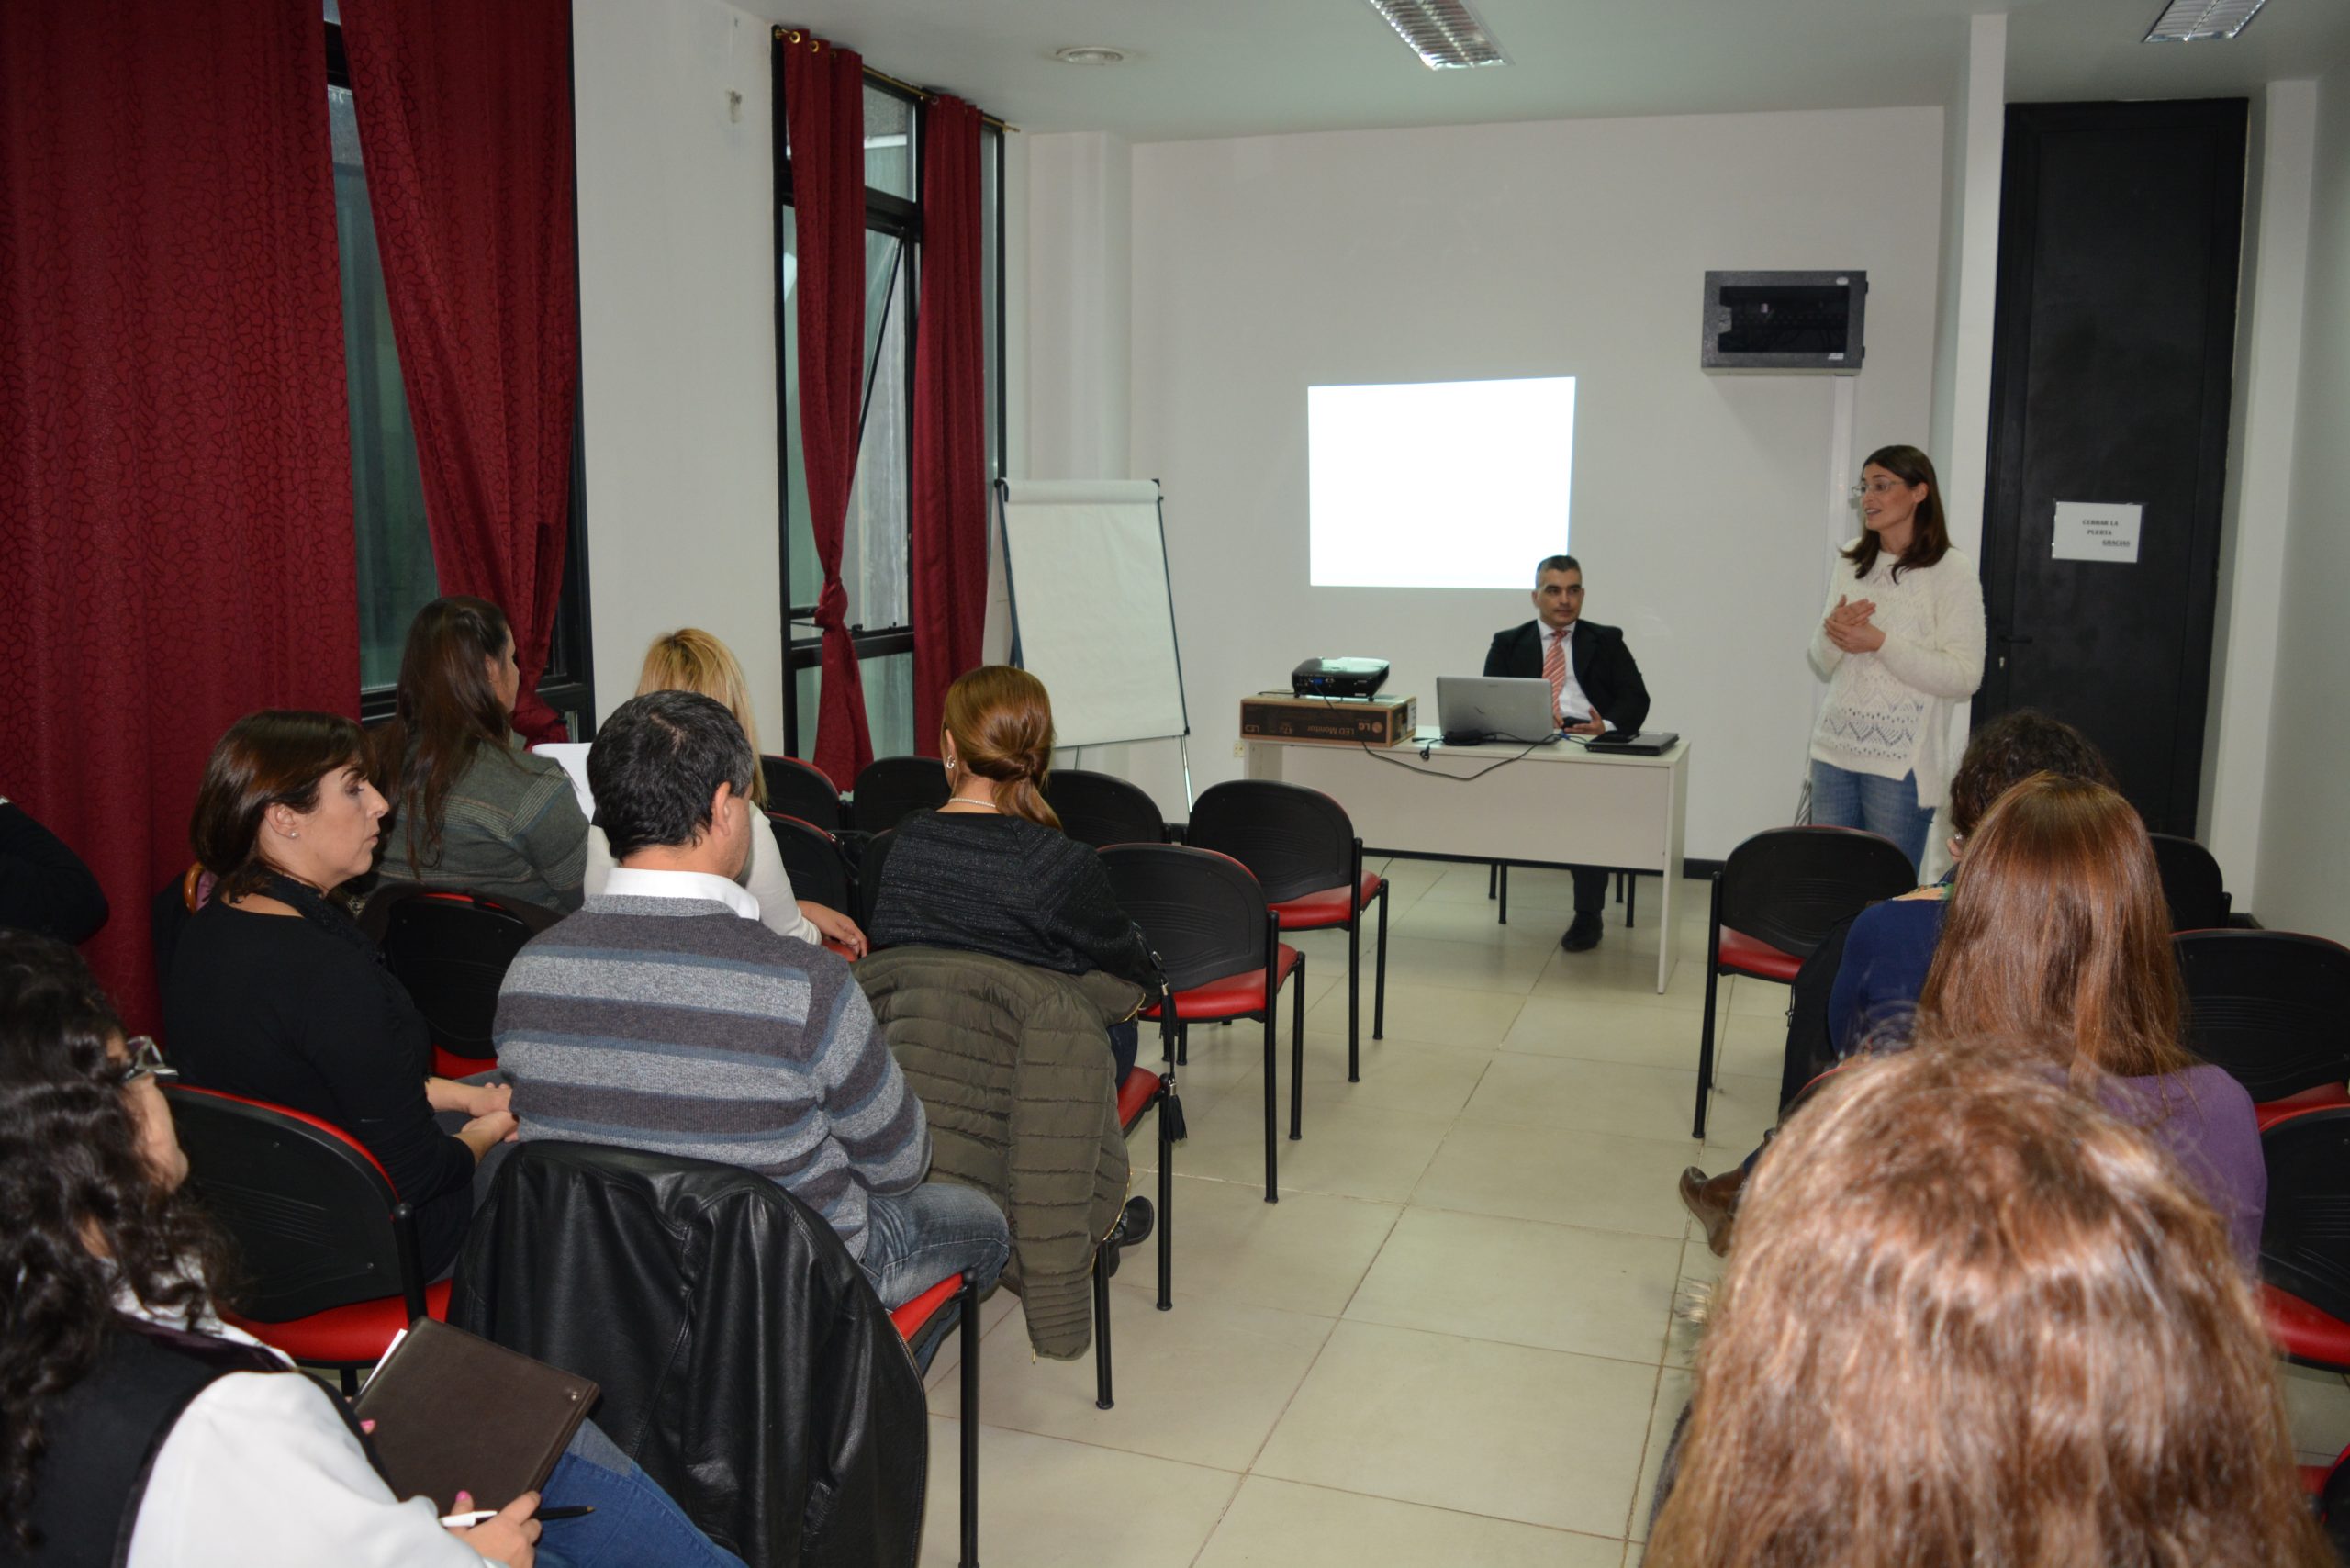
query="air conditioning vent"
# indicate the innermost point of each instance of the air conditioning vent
(1445, 33)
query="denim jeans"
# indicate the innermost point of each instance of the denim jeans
(916, 1239)
(1887, 806)
(635, 1522)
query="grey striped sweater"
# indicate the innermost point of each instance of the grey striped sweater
(677, 1027)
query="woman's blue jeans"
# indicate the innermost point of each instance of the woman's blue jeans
(1888, 807)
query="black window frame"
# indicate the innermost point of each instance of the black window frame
(888, 213)
(567, 685)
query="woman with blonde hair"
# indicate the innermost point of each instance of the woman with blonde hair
(1975, 1321)
(991, 871)
(690, 659)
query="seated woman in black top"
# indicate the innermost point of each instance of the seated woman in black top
(991, 871)
(276, 994)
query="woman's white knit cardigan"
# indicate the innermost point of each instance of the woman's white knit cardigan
(1887, 712)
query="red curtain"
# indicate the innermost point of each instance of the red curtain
(949, 576)
(823, 102)
(464, 115)
(174, 442)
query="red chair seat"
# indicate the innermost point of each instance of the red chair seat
(353, 1334)
(908, 1319)
(1743, 955)
(448, 1064)
(2303, 1331)
(2324, 1097)
(842, 948)
(1330, 906)
(1136, 1094)
(1234, 996)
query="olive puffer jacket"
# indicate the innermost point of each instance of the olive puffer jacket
(1013, 1065)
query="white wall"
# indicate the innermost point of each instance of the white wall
(2304, 864)
(2258, 509)
(676, 320)
(1974, 139)
(1264, 266)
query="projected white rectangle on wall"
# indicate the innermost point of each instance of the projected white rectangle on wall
(1437, 483)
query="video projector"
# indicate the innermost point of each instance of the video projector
(1338, 677)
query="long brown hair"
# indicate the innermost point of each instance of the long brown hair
(1928, 530)
(1973, 1321)
(2057, 931)
(690, 659)
(444, 714)
(275, 757)
(1001, 722)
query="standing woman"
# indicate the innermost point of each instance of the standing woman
(1900, 642)
(473, 809)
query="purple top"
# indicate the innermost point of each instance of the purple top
(2205, 1119)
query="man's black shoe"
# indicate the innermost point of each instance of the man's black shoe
(1583, 935)
(1136, 1222)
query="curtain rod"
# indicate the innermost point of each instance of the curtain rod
(793, 34)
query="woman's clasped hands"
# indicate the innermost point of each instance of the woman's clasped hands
(1848, 626)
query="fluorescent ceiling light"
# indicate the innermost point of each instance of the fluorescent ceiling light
(1445, 33)
(2191, 21)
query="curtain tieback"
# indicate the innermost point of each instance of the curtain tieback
(832, 607)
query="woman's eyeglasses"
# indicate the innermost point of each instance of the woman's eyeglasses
(1876, 487)
(146, 1061)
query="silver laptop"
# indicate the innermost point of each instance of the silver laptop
(1494, 708)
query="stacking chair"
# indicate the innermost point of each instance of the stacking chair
(2305, 1239)
(743, 1359)
(2272, 1008)
(1300, 846)
(328, 1249)
(797, 789)
(450, 949)
(1102, 809)
(2192, 885)
(869, 872)
(1776, 898)
(1143, 1089)
(1219, 944)
(812, 859)
(894, 787)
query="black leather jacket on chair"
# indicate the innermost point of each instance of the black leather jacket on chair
(745, 1361)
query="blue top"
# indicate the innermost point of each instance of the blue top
(1887, 955)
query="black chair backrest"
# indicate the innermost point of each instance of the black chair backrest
(1292, 839)
(2192, 885)
(1202, 912)
(1789, 886)
(893, 787)
(2305, 1238)
(1102, 809)
(450, 949)
(2271, 1007)
(811, 858)
(744, 1361)
(315, 1222)
(869, 872)
(798, 789)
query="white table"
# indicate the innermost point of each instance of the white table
(1559, 805)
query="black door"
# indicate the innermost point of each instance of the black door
(2119, 227)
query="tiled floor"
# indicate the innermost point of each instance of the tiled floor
(1455, 1338)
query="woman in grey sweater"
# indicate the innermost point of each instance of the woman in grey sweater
(472, 808)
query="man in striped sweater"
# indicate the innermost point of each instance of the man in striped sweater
(663, 1016)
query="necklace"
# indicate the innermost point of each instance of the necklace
(975, 805)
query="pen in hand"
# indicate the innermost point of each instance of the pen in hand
(477, 1515)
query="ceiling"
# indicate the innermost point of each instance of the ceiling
(1215, 68)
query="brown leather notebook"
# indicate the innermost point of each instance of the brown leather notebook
(453, 1412)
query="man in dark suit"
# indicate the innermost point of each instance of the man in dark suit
(1594, 686)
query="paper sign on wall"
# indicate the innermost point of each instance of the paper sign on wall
(2096, 531)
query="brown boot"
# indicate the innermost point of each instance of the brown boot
(1714, 1200)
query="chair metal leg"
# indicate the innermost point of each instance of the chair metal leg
(1492, 877)
(1378, 991)
(1182, 1045)
(1504, 919)
(1166, 1208)
(1297, 1052)
(349, 1376)
(1101, 1399)
(1713, 979)
(969, 1329)
(1354, 997)
(1631, 899)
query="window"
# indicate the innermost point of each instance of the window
(874, 549)
(394, 549)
